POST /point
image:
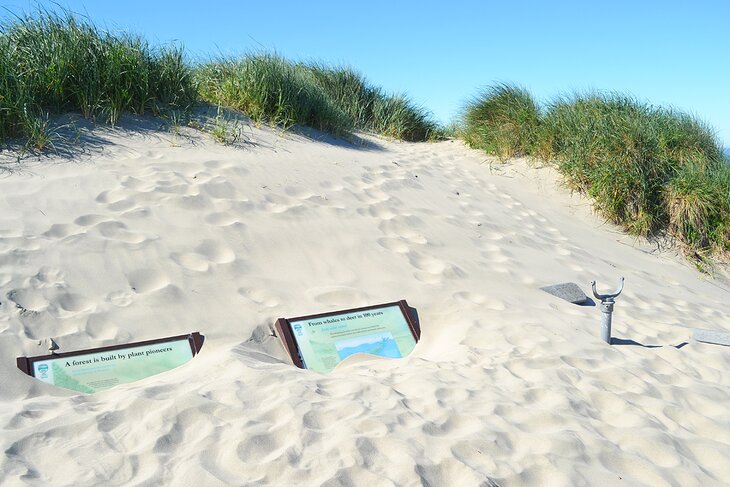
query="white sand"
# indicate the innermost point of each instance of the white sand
(157, 236)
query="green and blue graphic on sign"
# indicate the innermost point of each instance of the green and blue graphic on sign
(325, 341)
(97, 371)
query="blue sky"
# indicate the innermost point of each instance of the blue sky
(672, 53)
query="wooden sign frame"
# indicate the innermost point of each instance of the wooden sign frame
(195, 340)
(285, 333)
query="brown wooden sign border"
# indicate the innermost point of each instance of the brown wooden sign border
(285, 333)
(195, 339)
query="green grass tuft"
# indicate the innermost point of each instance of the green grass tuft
(348, 89)
(698, 207)
(396, 116)
(623, 153)
(647, 168)
(269, 88)
(502, 120)
(373, 110)
(53, 63)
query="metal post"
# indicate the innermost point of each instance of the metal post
(607, 302)
(606, 310)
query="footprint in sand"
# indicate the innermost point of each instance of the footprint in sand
(330, 186)
(39, 450)
(61, 230)
(100, 327)
(191, 261)
(140, 185)
(89, 220)
(5, 279)
(28, 299)
(112, 196)
(198, 202)
(373, 210)
(206, 254)
(216, 252)
(444, 472)
(403, 226)
(48, 277)
(280, 204)
(147, 280)
(467, 297)
(122, 205)
(394, 245)
(219, 188)
(261, 297)
(217, 164)
(116, 230)
(455, 425)
(431, 270)
(177, 189)
(73, 302)
(337, 296)
(222, 219)
(137, 212)
(426, 263)
(120, 298)
(298, 193)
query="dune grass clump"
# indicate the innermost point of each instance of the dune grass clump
(269, 88)
(54, 63)
(371, 109)
(502, 120)
(648, 169)
(698, 207)
(349, 91)
(398, 117)
(626, 155)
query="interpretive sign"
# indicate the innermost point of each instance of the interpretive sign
(319, 342)
(97, 369)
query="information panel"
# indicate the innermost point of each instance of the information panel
(320, 342)
(98, 369)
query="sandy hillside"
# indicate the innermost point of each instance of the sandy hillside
(151, 235)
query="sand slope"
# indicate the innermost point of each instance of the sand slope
(156, 235)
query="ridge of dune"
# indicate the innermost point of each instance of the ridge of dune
(156, 235)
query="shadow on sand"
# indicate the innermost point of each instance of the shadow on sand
(72, 137)
(623, 341)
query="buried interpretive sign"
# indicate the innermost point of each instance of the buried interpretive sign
(319, 342)
(97, 369)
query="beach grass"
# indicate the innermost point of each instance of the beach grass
(371, 109)
(650, 169)
(398, 117)
(53, 63)
(348, 89)
(502, 120)
(269, 88)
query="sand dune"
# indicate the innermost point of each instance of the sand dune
(157, 235)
